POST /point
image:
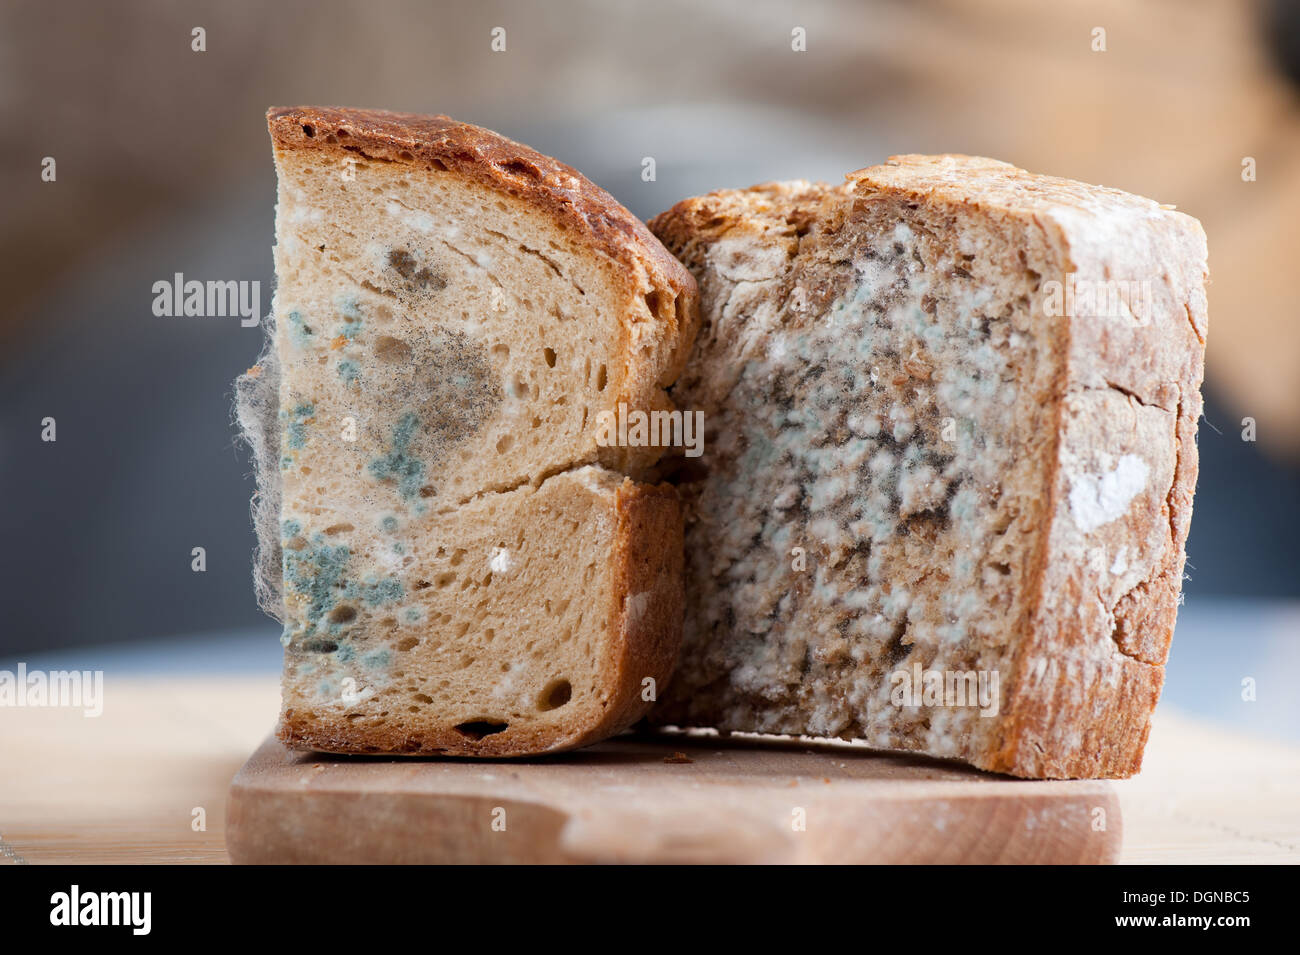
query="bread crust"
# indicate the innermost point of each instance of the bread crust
(1088, 665)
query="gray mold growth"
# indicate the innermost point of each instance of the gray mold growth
(257, 408)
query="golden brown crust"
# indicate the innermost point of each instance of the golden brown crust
(648, 598)
(779, 212)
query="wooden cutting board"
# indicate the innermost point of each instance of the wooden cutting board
(662, 799)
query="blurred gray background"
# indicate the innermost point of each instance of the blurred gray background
(164, 166)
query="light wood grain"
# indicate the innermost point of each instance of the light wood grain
(121, 788)
(656, 800)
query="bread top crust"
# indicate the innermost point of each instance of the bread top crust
(440, 142)
(776, 211)
(991, 183)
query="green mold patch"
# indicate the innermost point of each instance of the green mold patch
(349, 371)
(315, 572)
(399, 465)
(303, 335)
(375, 592)
(295, 423)
(348, 307)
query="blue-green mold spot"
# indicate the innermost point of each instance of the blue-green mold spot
(399, 464)
(313, 572)
(302, 332)
(295, 425)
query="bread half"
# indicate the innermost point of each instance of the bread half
(950, 415)
(459, 563)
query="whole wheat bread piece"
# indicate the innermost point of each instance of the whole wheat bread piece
(951, 414)
(460, 566)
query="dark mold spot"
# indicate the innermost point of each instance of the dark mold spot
(415, 278)
(444, 382)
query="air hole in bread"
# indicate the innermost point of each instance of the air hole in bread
(556, 694)
(602, 378)
(343, 613)
(308, 131)
(652, 302)
(503, 445)
(390, 349)
(407, 643)
(549, 355)
(521, 167)
(339, 528)
(477, 729)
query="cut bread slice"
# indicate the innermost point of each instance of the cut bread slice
(453, 313)
(951, 413)
(529, 621)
